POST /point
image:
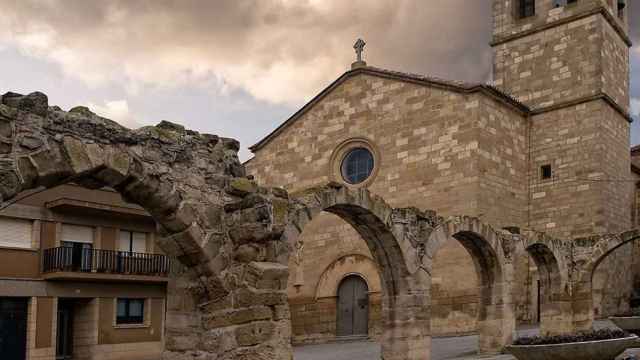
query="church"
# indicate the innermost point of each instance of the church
(544, 148)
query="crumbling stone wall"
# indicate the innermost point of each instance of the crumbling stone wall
(231, 300)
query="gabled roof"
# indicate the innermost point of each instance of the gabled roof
(456, 86)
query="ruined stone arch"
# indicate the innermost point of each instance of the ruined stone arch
(599, 247)
(552, 258)
(390, 235)
(605, 245)
(230, 301)
(491, 253)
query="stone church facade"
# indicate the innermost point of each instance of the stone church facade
(544, 148)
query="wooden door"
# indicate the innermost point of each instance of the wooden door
(353, 307)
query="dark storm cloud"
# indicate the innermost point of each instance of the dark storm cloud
(277, 50)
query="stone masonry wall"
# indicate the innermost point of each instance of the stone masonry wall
(615, 66)
(507, 23)
(454, 153)
(542, 69)
(502, 158)
(566, 62)
(572, 53)
(584, 144)
(617, 285)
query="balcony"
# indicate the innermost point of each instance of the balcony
(75, 263)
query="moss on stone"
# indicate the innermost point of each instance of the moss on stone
(242, 186)
(280, 210)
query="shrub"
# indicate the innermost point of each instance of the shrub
(603, 334)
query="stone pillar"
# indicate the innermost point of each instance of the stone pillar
(582, 306)
(556, 317)
(497, 325)
(406, 322)
(496, 330)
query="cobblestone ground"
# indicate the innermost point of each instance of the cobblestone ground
(450, 348)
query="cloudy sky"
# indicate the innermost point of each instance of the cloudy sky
(235, 68)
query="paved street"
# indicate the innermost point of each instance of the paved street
(450, 348)
(443, 348)
(458, 348)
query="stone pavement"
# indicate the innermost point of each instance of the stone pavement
(449, 348)
(458, 348)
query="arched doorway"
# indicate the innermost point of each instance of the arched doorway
(353, 307)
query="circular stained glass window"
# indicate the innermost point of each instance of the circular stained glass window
(357, 166)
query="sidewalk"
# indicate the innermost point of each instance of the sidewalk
(449, 348)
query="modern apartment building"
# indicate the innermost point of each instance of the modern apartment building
(80, 278)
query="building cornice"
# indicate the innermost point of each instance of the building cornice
(602, 96)
(598, 10)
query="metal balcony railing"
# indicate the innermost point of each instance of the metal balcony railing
(104, 261)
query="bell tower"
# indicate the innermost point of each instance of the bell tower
(549, 52)
(568, 60)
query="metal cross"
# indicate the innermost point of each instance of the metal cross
(359, 46)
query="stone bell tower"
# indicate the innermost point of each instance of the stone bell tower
(568, 60)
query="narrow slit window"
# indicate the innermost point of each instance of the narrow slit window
(545, 172)
(527, 8)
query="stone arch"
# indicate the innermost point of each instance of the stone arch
(599, 247)
(551, 258)
(391, 240)
(491, 254)
(230, 301)
(607, 244)
(333, 275)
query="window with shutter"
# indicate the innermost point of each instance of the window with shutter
(16, 233)
(132, 241)
(77, 234)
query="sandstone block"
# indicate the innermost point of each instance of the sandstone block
(254, 333)
(251, 232)
(241, 187)
(246, 297)
(6, 129)
(237, 317)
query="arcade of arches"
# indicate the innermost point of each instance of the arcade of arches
(235, 239)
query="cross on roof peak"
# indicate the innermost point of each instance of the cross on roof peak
(359, 46)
